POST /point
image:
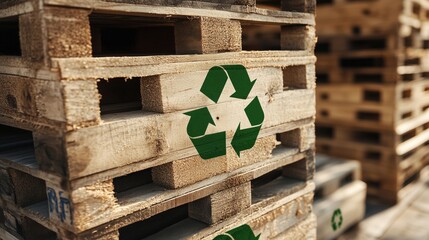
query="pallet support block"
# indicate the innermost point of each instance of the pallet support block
(20, 188)
(302, 170)
(299, 77)
(272, 224)
(55, 32)
(50, 152)
(189, 170)
(303, 138)
(207, 35)
(78, 208)
(221, 205)
(298, 37)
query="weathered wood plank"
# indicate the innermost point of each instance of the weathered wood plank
(234, 12)
(143, 136)
(74, 103)
(175, 92)
(109, 67)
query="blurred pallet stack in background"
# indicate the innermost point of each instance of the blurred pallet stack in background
(339, 201)
(373, 89)
(93, 135)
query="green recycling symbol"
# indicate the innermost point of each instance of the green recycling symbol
(337, 219)
(243, 232)
(214, 145)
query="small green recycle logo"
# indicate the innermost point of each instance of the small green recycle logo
(337, 219)
(214, 145)
(243, 232)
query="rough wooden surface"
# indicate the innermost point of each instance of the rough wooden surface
(123, 132)
(207, 35)
(221, 205)
(90, 68)
(174, 92)
(304, 230)
(183, 172)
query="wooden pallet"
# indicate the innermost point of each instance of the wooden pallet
(371, 105)
(94, 123)
(338, 186)
(269, 191)
(385, 170)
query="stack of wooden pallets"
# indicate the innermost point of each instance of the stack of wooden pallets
(373, 92)
(340, 196)
(94, 137)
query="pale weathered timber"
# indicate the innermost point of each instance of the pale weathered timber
(156, 141)
(207, 35)
(350, 199)
(175, 92)
(73, 102)
(234, 12)
(221, 205)
(90, 68)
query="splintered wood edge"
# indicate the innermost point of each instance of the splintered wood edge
(237, 12)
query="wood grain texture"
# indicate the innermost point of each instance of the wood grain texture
(109, 67)
(181, 91)
(183, 172)
(143, 136)
(207, 35)
(207, 10)
(221, 205)
(73, 103)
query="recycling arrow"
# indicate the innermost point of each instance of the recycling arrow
(240, 80)
(214, 145)
(337, 219)
(214, 83)
(200, 120)
(243, 232)
(217, 77)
